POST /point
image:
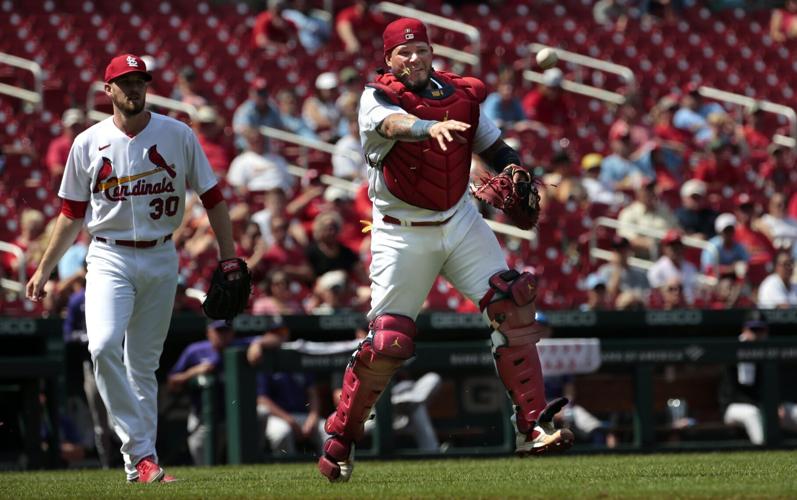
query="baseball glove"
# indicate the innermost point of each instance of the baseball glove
(514, 191)
(229, 290)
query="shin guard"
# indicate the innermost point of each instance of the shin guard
(521, 373)
(370, 370)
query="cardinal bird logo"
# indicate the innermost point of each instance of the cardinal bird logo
(105, 176)
(159, 162)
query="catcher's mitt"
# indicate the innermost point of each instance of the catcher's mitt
(514, 191)
(229, 290)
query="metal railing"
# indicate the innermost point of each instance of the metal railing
(580, 60)
(22, 273)
(35, 96)
(767, 106)
(658, 234)
(152, 99)
(442, 22)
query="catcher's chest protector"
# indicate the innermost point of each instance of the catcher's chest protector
(420, 173)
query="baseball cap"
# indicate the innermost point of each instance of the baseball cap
(620, 242)
(620, 131)
(667, 102)
(671, 236)
(124, 64)
(756, 324)
(692, 88)
(693, 187)
(259, 84)
(552, 77)
(744, 199)
(331, 279)
(220, 324)
(403, 31)
(592, 160)
(594, 281)
(724, 221)
(72, 116)
(326, 81)
(333, 193)
(206, 114)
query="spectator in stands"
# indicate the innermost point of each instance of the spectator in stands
(730, 292)
(779, 174)
(631, 118)
(360, 21)
(278, 298)
(332, 294)
(319, 110)
(208, 128)
(183, 302)
(351, 85)
(326, 253)
(778, 290)
(672, 265)
(611, 14)
(756, 139)
(32, 240)
(73, 122)
(758, 246)
(725, 256)
(503, 106)
(663, 129)
(257, 170)
(783, 23)
(285, 252)
(74, 259)
(664, 10)
(255, 112)
(619, 275)
(672, 295)
(312, 24)
(622, 169)
(291, 120)
(597, 190)
(348, 106)
(694, 216)
(741, 391)
(185, 90)
(344, 164)
(547, 104)
(777, 225)
(692, 117)
(597, 295)
(646, 212)
(720, 168)
(273, 30)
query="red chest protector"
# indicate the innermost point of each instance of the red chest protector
(420, 173)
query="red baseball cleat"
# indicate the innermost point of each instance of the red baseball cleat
(150, 472)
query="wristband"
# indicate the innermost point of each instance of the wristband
(420, 129)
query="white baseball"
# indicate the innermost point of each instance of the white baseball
(547, 58)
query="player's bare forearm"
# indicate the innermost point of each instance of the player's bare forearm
(499, 155)
(410, 128)
(219, 218)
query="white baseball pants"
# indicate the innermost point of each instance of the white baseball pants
(129, 299)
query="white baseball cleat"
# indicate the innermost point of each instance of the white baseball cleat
(543, 438)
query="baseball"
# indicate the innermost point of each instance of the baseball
(547, 58)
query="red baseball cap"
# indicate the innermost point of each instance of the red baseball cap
(402, 31)
(124, 64)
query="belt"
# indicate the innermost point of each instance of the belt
(134, 244)
(419, 223)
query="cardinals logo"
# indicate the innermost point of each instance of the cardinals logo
(119, 188)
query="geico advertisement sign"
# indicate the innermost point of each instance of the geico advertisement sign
(17, 327)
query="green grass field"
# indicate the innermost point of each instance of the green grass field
(684, 475)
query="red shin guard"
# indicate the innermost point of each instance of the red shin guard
(520, 370)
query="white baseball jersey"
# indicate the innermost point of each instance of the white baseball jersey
(373, 111)
(135, 185)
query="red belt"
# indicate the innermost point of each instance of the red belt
(393, 220)
(134, 244)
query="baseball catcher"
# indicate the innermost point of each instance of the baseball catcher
(229, 290)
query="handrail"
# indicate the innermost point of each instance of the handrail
(742, 100)
(153, 99)
(645, 264)
(443, 22)
(565, 55)
(21, 261)
(689, 241)
(35, 96)
(317, 144)
(579, 88)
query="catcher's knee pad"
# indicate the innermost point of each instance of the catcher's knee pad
(509, 308)
(372, 365)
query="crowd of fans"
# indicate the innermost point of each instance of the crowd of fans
(708, 177)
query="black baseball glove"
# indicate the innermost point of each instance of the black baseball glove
(514, 191)
(229, 290)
